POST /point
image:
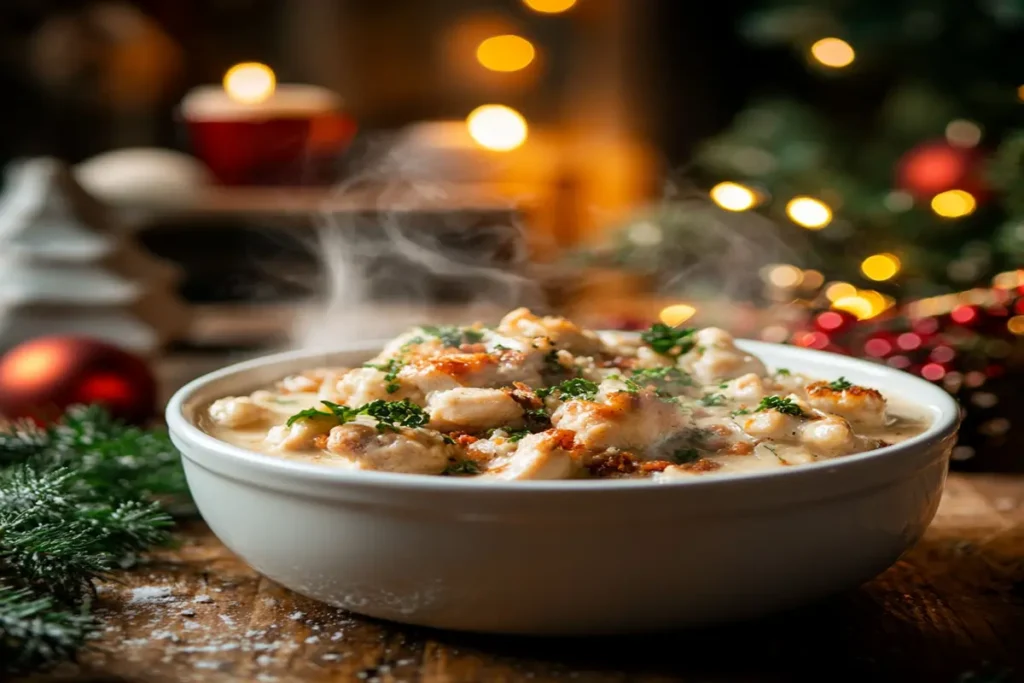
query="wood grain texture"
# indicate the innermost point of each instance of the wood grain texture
(952, 609)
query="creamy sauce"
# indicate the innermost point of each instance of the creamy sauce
(540, 398)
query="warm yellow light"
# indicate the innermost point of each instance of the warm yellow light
(505, 53)
(250, 82)
(1016, 324)
(1008, 279)
(876, 300)
(808, 212)
(833, 52)
(840, 290)
(856, 305)
(676, 314)
(549, 6)
(497, 127)
(785, 276)
(1020, 93)
(733, 196)
(954, 204)
(880, 267)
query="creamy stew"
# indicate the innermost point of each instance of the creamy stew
(542, 398)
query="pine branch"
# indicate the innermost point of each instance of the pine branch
(35, 631)
(77, 500)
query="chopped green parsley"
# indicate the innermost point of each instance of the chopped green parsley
(668, 341)
(841, 384)
(575, 388)
(783, 405)
(453, 335)
(390, 415)
(462, 467)
(712, 400)
(668, 381)
(392, 367)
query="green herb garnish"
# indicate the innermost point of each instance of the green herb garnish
(668, 341)
(462, 467)
(712, 400)
(392, 368)
(390, 415)
(514, 435)
(575, 388)
(783, 371)
(782, 405)
(841, 384)
(667, 381)
(453, 335)
(740, 411)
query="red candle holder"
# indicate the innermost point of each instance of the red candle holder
(292, 137)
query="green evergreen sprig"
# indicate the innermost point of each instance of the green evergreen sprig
(77, 499)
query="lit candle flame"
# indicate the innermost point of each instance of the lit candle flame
(250, 82)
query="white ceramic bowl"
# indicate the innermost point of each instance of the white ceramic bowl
(567, 557)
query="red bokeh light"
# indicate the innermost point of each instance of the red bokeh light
(908, 341)
(933, 372)
(926, 326)
(964, 314)
(942, 354)
(877, 347)
(830, 320)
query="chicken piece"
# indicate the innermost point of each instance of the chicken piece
(300, 435)
(563, 333)
(362, 385)
(859, 405)
(472, 409)
(771, 424)
(715, 357)
(498, 448)
(480, 369)
(236, 412)
(416, 451)
(546, 455)
(829, 435)
(748, 388)
(631, 421)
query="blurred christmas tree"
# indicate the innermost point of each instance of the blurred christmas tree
(906, 145)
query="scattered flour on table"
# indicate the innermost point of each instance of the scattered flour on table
(151, 595)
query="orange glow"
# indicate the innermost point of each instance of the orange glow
(34, 364)
(549, 6)
(505, 53)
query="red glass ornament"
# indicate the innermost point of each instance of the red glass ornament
(40, 378)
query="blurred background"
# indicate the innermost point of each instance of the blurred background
(196, 182)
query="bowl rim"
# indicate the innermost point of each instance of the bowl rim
(946, 422)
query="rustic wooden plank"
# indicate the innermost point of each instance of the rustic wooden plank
(952, 606)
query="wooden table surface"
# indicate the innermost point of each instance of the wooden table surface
(951, 610)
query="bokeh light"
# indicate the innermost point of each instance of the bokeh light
(505, 53)
(833, 52)
(676, 314)
(1016, 324)
(963, 133)
(497, 127)
(880, 267)
(250, 82)
(785, 276)
(954, 204)
(733, 196)
(549, 6)
(855, 305)
(808, 212)
(813, 279)
(840, 290)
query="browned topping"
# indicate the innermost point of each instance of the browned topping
(564, 439)
(612, 465)
(473, 348)
(720, 430)
(320, 441)
(822, 390)
(524, 396)
(702, 465)
(654, 465)
(464, 439)
(458, 364)
(620, 362)
(739, 448)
